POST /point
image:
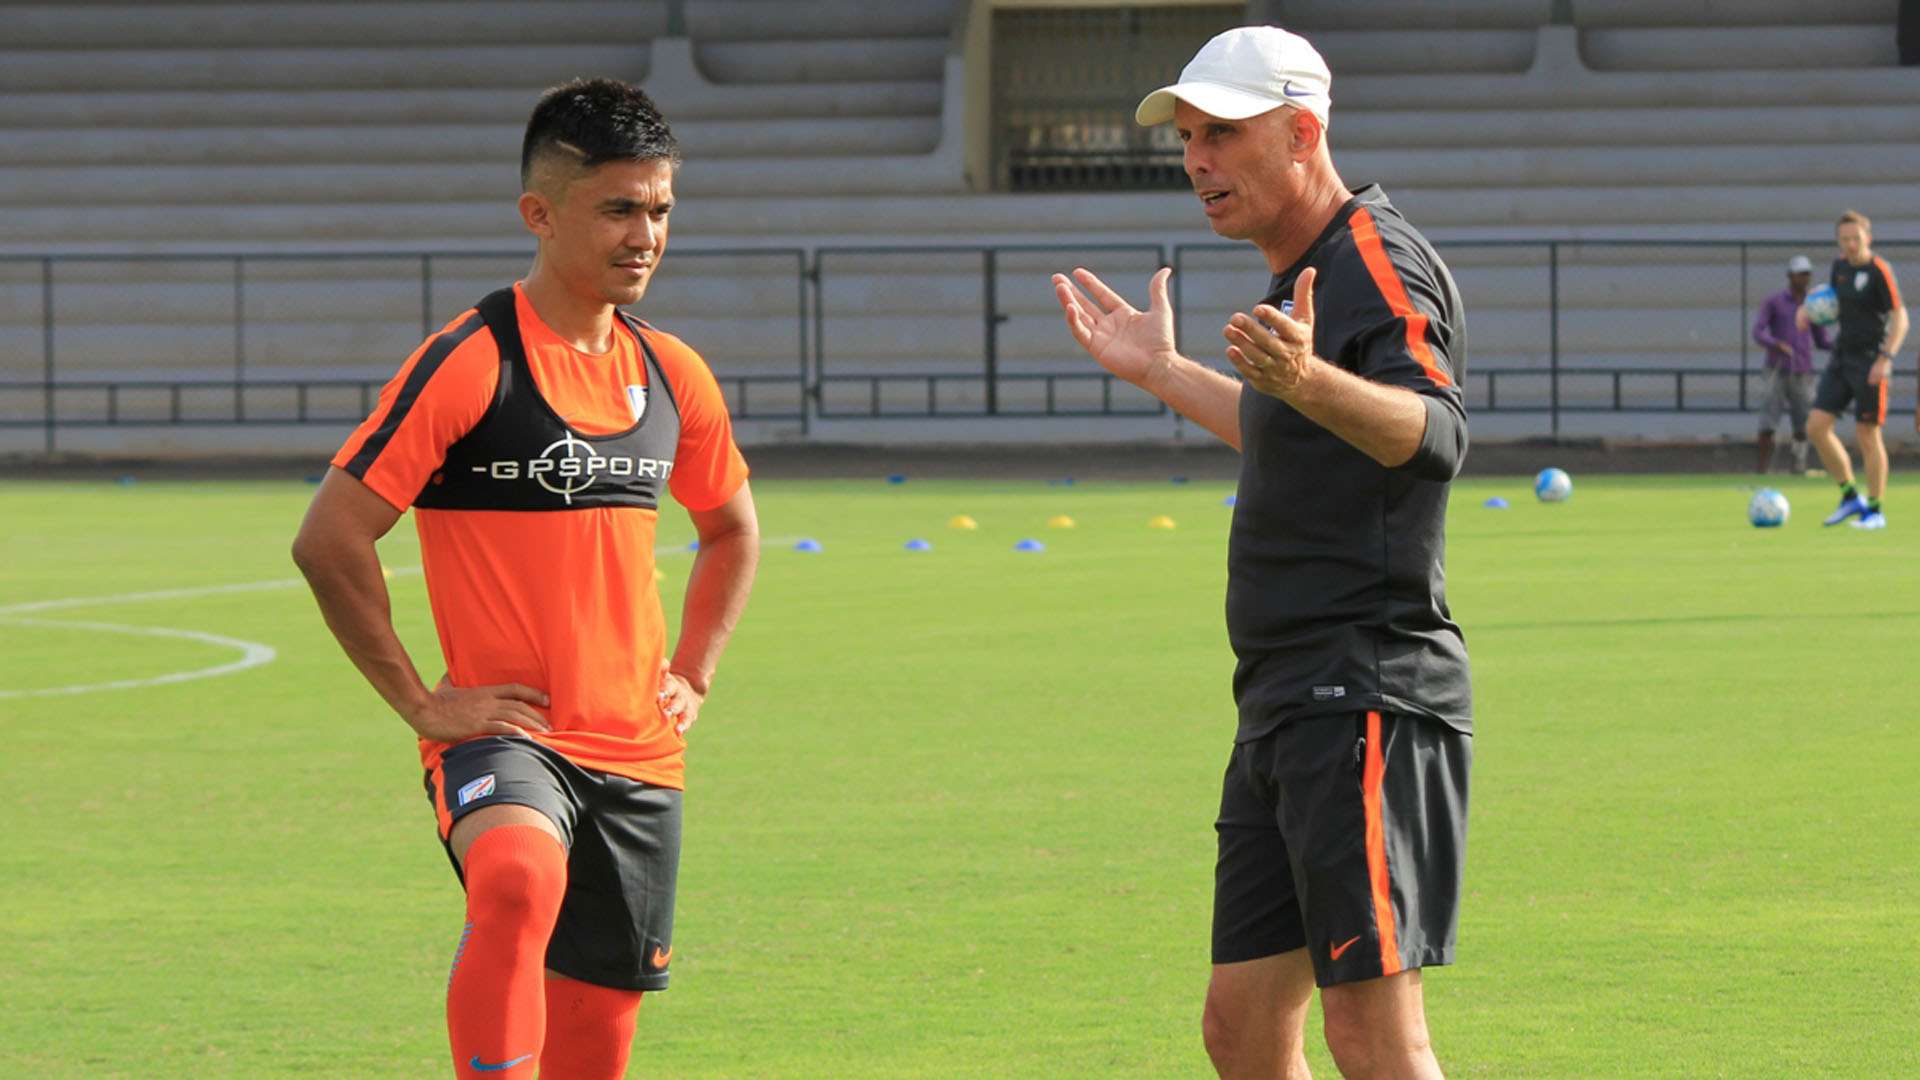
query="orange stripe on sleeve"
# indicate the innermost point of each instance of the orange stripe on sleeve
(1366, 236)
(1371, 775)
(1893, 287)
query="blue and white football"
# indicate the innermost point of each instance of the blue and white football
(1823, 307)
(1553, 485)
(1767, 509)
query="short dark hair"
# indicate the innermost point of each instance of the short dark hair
(595, 121)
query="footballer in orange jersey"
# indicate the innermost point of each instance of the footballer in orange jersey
(533, 437)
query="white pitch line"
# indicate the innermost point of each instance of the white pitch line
(164, 594)
(252, 654)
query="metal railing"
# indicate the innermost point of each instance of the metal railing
(840, 367)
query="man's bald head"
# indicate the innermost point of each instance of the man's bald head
(584, 124)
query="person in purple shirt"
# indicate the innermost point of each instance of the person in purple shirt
(1789, 362)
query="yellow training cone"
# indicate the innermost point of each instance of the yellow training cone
(1059, 521)
(659, 574)
(962, 521)
(1161, 522)
(386, 573)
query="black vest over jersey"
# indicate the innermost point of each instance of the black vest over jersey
(523, 456)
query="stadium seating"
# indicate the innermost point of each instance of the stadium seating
(264, 127)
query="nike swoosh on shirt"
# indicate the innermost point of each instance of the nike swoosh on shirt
(480, 1066)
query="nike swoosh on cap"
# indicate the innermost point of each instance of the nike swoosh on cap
(1287, 89)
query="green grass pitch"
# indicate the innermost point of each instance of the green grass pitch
(950, 812)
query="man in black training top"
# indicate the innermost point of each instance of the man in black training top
(1873, 323)
(1342, 822)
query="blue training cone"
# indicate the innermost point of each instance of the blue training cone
(918, 544)
(1029, 544)
(1231, 500)
(896, 478)
(1496, 503)
(806, 545)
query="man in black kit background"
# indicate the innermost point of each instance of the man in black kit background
(1342, 823)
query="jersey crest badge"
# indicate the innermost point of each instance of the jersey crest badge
(637, 401)
(1859, 280)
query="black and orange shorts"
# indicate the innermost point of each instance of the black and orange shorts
(623, 852)
(1844, 382)
(1344, 835)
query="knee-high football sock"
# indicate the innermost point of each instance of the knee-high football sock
(589, 1031)
(496, 1006)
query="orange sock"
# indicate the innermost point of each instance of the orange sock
(589, 1031)
(496, 1009)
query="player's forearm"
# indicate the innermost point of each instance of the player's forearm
(717, 591)
(1200, 394)
(1896, 332)
(352, 595)
(1386, 423)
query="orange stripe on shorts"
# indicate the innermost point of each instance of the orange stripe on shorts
(440, 810)
(1382, 885)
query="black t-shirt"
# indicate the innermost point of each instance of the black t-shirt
(1336, 588)
(1867, 295)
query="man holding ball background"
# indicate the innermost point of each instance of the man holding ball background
(1873, 323)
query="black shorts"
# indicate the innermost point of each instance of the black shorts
(623, 852)
(1845, 382)
(1345, 835)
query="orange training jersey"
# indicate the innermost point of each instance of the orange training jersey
(560, 599)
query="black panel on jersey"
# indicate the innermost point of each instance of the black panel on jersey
(523, 455)
(436, 354)
(1866, 299)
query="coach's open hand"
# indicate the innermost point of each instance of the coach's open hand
(1135, 345)
(452, 713)
(679, 701)
(1272, 350)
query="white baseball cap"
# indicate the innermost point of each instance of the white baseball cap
(1799, 264)
(1244, 72)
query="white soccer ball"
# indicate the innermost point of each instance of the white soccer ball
(1823, 307)
(1553, 485)
(1767, 509)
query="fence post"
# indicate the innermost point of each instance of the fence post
(990, 306)
(46, 345)
(1743, 326)
(815, 390)
(239, 338)
(800, 314)
(1553, 332)
(1179, 250)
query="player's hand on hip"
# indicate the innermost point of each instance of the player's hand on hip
(1271, 349)
(452, 713)
(679, 701)
(1135, 345)
(1881, 371)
